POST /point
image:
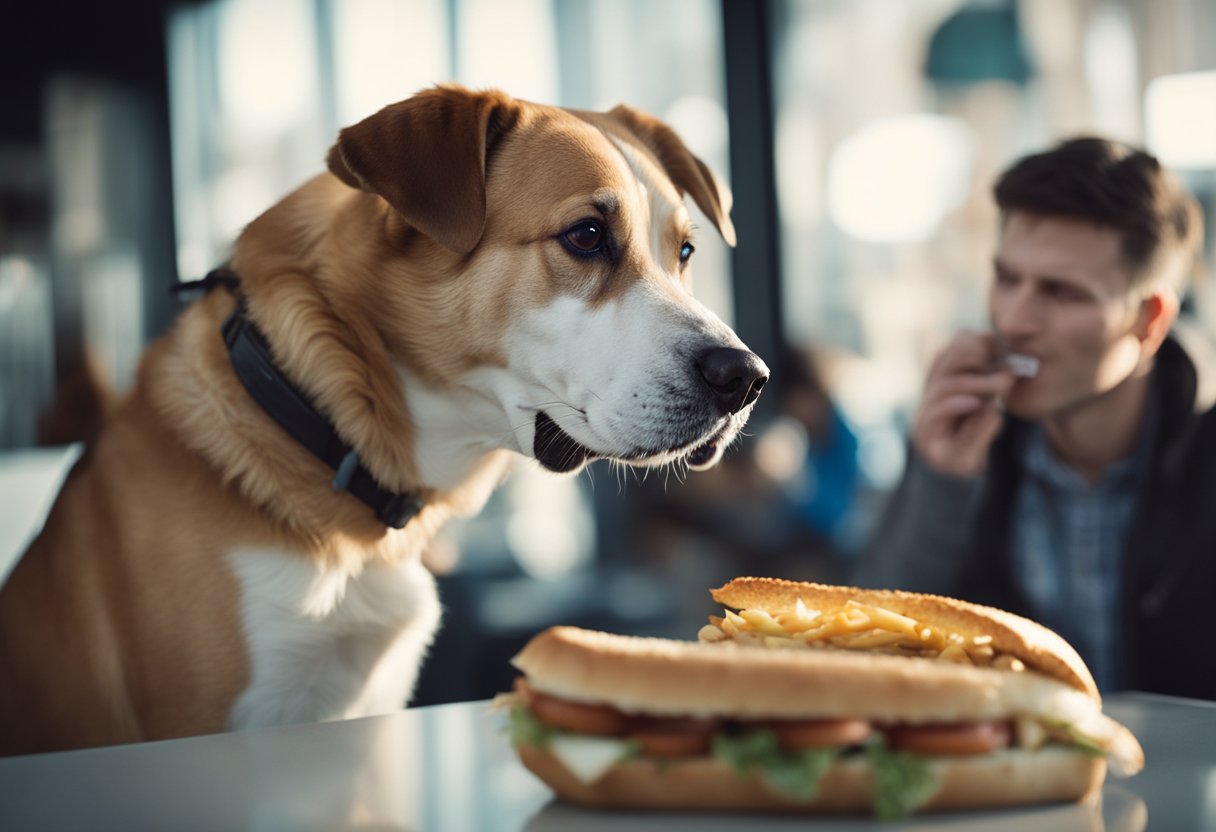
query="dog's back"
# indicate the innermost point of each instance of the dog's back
(94, 612)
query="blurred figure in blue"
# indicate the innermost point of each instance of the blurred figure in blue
(822, 494)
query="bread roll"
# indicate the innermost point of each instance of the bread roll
(1038, 647)
(1063, 741)
(1008, 778)
(663, 677)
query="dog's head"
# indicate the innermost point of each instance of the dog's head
(539, 266)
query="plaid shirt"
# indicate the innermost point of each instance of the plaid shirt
(1067, 537)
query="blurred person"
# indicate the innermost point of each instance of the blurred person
(822, 494)
(1075, 482)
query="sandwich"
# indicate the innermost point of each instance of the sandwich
(816, 698)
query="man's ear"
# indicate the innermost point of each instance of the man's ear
(426, 156)
(689, 173)
(1158, 312)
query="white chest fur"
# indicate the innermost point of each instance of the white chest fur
(326, 643)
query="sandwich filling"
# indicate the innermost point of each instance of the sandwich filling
(789, 755)
(857, 626)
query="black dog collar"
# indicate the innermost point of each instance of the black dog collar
(296, 414)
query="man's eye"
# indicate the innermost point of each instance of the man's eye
(1065, 293)
(586, 237)
(686, 251)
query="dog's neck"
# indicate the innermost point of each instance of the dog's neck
(295, 412)
(325, 340)
(192, 383)
(457, 428)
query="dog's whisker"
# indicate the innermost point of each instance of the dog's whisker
(556, 403)
(577, 415)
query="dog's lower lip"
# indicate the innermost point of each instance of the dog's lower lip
(704, 452)
(557, 450)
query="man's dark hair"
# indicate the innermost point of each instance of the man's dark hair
(1116, 186)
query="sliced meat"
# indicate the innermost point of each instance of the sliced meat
(959, 739)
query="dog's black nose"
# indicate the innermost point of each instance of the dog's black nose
(734, 376)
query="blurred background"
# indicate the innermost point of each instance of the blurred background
(860, 138)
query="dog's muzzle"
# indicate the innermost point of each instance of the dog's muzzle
(726, 383)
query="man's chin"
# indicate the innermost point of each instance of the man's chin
(1021, 411)
(1024, 405)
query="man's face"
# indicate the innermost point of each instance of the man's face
(1061, 293)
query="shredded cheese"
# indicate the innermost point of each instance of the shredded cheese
(856, 627)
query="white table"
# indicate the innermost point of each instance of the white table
(450, 768)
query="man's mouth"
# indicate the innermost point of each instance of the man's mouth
(560, 452)
(1022, 364)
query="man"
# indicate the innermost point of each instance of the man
(1075, 483)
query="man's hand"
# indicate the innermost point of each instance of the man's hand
(960, 412)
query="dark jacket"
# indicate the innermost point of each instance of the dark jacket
(948, 535)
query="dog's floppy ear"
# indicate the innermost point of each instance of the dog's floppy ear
(689, 173)
(426, 156)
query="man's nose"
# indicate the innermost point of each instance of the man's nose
(1016, 312)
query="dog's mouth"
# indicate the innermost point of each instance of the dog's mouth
(560, 452)
(708, 452)
(557, 450)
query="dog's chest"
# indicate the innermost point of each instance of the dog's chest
(324, 643)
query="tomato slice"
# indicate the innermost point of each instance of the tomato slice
(598, 720)
(957, 739)
(801, 734)
(658, 744)
(673, 737)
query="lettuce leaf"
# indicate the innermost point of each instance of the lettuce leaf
(901, 781)
(525, 729)
(1084, 743)
(1080, 741)
(746, 751)
(795, 774)
(798, 774)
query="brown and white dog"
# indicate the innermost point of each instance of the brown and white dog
(475, 276)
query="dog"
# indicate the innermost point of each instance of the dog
(474, 277)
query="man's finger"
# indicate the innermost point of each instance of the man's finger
(988, 385)
(967, 351)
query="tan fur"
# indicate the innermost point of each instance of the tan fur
(122, 622)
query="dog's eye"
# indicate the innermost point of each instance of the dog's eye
(686, 251)
(587, 237)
